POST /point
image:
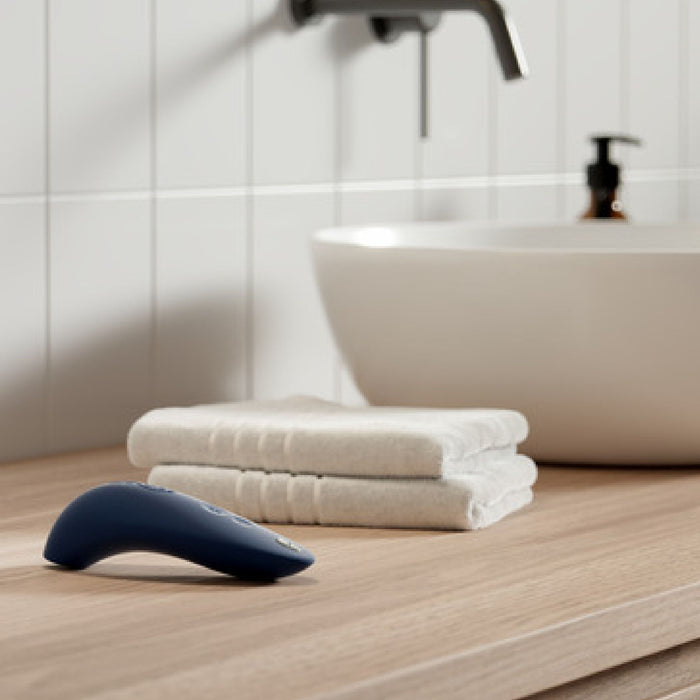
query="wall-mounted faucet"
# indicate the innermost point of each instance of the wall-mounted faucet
(391, 18)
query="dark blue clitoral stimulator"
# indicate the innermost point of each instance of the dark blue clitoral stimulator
(127, 515)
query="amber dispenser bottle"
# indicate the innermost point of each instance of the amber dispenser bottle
(603, 177)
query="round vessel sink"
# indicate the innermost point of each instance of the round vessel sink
(591, 330)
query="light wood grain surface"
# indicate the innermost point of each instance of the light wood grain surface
(649, 677)
(602, 569)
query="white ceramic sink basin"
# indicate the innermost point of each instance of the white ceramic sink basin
(591, 330)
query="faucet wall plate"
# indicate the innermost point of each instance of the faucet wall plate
(303, 12)
(386, 29)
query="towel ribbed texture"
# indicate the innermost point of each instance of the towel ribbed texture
(468, 502)
(307, 435)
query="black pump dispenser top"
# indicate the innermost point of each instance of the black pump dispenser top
(604, 174)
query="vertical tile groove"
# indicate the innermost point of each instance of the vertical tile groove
(419, 150)
(684, 105)
(625, 57)
(47, 417)
(153, 205)
(248, 323)
(560, 101)
(337, 194)
(493, 141)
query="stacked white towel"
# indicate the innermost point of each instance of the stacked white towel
(308, 461)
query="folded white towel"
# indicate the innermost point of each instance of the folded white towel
(467, 502)
(308, 435)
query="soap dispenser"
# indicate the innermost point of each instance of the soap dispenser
(603, 177)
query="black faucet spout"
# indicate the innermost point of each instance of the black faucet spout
(502, 29)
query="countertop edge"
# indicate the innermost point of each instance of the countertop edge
(548, 657)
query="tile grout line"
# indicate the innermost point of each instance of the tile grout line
(561, 19)
(337, 383)
(248, 325)
(153, 206)
(690, 174)
(492, 166)
(48, 380)
(625, 70)
(419, 151)
(684, 104)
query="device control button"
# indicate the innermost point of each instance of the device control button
(241, 520)
(209, 507)
(153, 487)
(287, 543)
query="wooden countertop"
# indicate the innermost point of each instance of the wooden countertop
(602, 569)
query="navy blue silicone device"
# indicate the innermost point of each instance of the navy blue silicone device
(127, 515)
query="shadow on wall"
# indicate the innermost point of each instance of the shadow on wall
(103, 373)
(126, 108)
(96, 387)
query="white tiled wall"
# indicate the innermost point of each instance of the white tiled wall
(23, 112)
(163, 162)
(200, 299)
(200, 93)
(99, 104)
(99, 319)
(290, 346)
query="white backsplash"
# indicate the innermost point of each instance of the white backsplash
(163, 163)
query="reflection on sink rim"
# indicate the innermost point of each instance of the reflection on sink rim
(600, 237)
